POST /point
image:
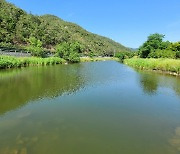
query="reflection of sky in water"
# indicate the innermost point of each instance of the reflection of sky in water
(100, 107)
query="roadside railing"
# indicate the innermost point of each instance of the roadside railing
(20, 52)
(14, 52)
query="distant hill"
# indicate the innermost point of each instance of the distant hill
(134, 49)
(17, 26)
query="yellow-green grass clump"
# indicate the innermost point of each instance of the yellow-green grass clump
(171, 66)
(12, 62)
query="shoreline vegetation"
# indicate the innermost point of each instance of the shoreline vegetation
(7, 62)
(50, 41)
(18, 62)
(163, 65)
(155, 54)
(167, 66)
(93, 59)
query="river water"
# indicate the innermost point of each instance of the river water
(89, 108)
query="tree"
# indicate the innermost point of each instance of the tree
(9, 16)
(154, 41)
(175, 47)
(62, 50)
(27, 27)
(69, 51)
(35, 47)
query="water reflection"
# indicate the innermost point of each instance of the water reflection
(151, 82)
(104, 112)
(176, 86)
(19, 86)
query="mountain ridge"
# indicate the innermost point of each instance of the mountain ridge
(17, 26)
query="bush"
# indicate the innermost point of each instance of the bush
(35, 47)
(162, 54)
(124, 55)
(74, 57)
(36, 51)
(92, 54)
(69, 51)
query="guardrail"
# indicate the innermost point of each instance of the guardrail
(14, 52)
(19, 52)
(6, 49)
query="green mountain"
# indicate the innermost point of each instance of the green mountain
(17, 26)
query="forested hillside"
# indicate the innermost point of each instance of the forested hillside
(17, 26)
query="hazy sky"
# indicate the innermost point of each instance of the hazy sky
(126, 21)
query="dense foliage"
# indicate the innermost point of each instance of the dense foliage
(124, 55)
(155, 47)
(35, 47)
(69, 51)
(17, 27)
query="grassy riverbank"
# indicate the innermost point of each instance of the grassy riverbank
(89, 59)
(12, 62)
(171, 66)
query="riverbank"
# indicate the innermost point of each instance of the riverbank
(14, 62)
(168, 66)
(93, 59)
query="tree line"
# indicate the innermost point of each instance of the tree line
(156, 47)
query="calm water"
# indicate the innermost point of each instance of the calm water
(88, 108)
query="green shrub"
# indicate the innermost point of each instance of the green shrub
(69, 51)
(35, 47)
(36, 51)
(124, 55)
(74, 57)
(162, 54)
(92, 54)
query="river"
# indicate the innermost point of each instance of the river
(89, 108)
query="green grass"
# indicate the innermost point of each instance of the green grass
(89, 59)
(165, 65)
(13, 62)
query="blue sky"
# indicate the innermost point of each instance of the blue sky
(126, 21)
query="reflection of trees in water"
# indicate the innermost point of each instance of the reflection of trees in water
(149, 83)
(177, 86)
(33, 83)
